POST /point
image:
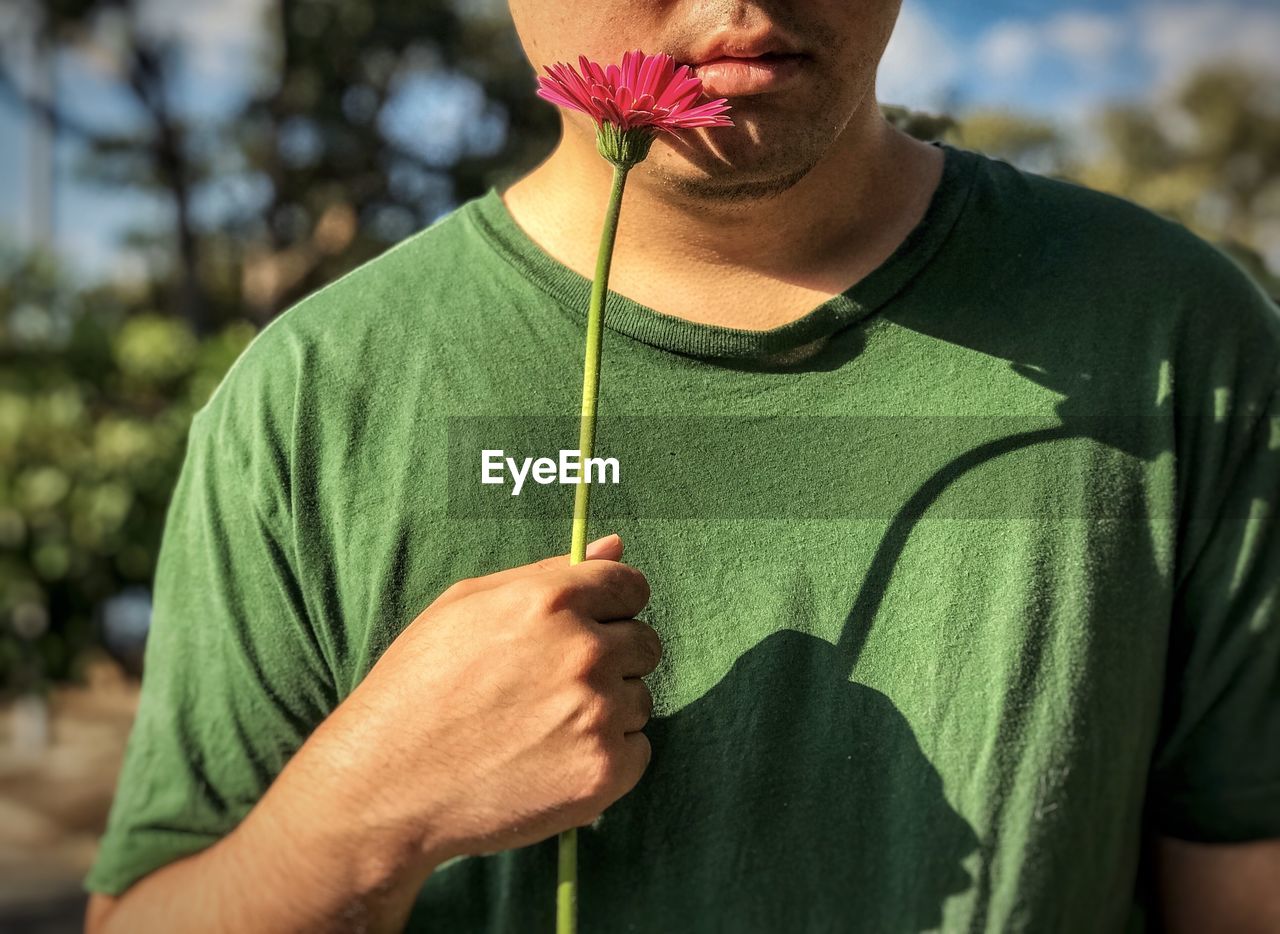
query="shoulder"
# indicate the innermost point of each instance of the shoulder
(1147, 275)
(320, 349)
(1125, 242)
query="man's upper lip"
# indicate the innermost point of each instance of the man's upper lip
(741, 46)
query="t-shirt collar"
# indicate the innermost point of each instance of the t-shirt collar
(775, 346)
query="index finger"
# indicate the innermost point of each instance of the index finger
(601, 590)
(608, 548)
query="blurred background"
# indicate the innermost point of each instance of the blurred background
(173, 175)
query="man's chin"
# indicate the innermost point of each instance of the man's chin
(728, 177)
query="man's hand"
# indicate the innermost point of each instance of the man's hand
(508, 711)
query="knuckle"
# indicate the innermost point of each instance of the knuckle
(624, 583)
(592, 713)
(456, 589)
(646, 756)
(547, 598)
(642, 587)
(587, 656)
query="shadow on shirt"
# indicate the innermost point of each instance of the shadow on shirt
(774, 839)
(736, 837)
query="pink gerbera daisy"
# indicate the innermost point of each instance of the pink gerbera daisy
(647, 93)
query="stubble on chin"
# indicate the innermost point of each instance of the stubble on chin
(725, 186)
(719, 178)
(768, 157)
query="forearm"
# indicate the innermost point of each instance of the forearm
(438, 752)
(1209, 888)
(309, 857)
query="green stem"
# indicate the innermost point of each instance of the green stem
(591, 364)
(567, 884)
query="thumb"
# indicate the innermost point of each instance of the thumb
(608, 548)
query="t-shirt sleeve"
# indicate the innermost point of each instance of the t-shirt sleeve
(1216, 772)
(234, 677)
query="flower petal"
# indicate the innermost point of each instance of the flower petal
(648, 70)
(643, 91)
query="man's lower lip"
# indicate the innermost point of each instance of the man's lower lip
(737, 77)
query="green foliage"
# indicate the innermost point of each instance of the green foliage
(96, 396)
(916, 123)
(1035, 144)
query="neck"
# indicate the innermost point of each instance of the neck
(823, 232)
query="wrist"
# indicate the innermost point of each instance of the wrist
(329, 811)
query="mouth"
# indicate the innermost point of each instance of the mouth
(745, 75)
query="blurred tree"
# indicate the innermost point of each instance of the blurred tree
(156, 155)
(1210, 160)
(372, 119)
(380, 117)
(96, 394)
(1034, 144)
(916, 123)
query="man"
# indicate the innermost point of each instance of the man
(949, 500)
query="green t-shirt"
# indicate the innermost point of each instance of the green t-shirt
(969, 579)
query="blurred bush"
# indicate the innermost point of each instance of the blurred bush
(96, 394)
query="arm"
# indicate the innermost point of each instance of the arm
(282, 869)
(1215, 794)
(1219, 888)
(496, 755)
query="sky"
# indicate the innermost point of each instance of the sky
(1056, 59)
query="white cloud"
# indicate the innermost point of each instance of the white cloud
(921, 63)
(924, 62)
(1009, 48)
(1089, 40)
(1177, 39)
(1165, 40)
(1145, 50)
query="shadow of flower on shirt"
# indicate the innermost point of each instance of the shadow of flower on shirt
(766, 807)
(843, 774)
